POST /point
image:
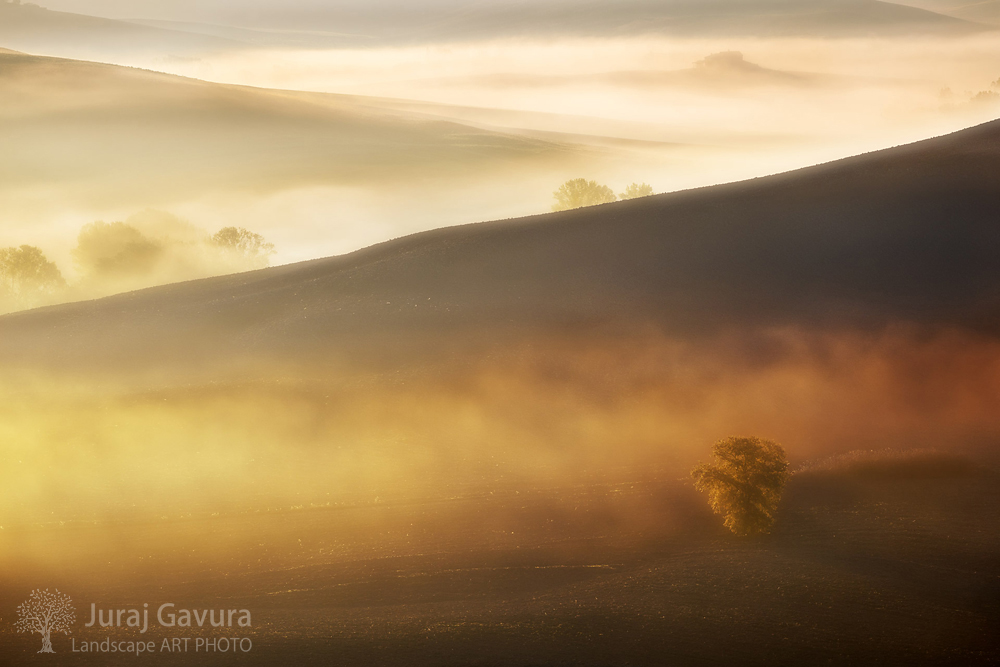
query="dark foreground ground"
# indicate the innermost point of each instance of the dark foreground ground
(861, 570)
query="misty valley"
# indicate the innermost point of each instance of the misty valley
(456, 333)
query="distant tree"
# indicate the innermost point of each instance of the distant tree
(745, 482)
(636, 190)
(250, 250)
(27, 277)
(115, 250)
(581, 192)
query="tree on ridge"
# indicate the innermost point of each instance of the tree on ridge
(581, 192)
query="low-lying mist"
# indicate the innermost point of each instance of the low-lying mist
(871, 92)
(547, 413)
(320, 175)
(148, 248)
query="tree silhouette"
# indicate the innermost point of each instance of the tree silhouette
(636, 190)
(115, 250)
(27, 276)
(44, 612)
(581, 192)
(745, 482)
(250, 250)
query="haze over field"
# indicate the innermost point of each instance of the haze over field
(476, 438)
(554, 250)
(983, 11)
(316, 174)
(333, 147)
(788, 305)
(611, 104)
(390, 20)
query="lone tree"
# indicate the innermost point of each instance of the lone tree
(248, 249)
(636, 190)
(745, 482)
(44, 612)
(581, 192)
(27, 276)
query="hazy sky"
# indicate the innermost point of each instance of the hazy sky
(379, 14)
(200, 10)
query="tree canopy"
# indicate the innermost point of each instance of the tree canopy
(636, 190)
(27, 277)
(744, 483)
(114, 249)
(246, 247)
(581, 192)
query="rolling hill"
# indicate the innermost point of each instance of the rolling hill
(905, 235)
(212, 28)
(761, 18)
(393, 23)
(982, 11)
(105, 132)
(726, 71)
(28, 27)
(537, 511)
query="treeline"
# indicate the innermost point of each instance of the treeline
(150, 248)
(580, 192)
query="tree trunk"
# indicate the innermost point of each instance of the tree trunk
(46, 644)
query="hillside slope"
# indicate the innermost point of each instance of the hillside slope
(771, 18)
(908, 234)
(982, 11)
(111, 133)
(38, 30)
(31, 28)
(391, 21)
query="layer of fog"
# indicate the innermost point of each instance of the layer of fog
(865, 89)
(147, 249)
(464, 19)
(659, 110)
(556, 412)
(981, 11)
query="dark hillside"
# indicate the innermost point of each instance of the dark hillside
(909, 234)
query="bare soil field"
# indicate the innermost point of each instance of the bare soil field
(894, 569)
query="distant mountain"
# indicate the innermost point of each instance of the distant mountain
(33, 29)
(906, 235)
